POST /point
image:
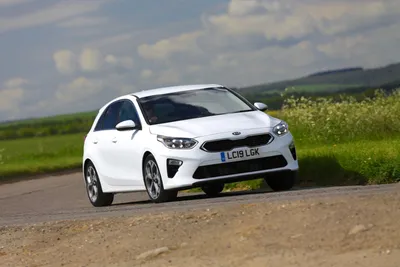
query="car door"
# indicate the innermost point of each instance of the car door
(102, 139)
(126, 152)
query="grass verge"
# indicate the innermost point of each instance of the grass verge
(32, 156)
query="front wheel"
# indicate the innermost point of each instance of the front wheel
(281, 181)
(154, 184)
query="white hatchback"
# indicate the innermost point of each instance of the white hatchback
(174, 138)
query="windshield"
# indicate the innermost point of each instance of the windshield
(191, 104)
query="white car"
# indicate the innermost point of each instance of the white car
(174, 138)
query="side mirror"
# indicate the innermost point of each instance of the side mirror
(126, 125)
(261, 106)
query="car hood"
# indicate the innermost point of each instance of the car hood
(215, 124)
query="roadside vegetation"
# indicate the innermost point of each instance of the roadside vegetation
(339, 142)
(57, 125)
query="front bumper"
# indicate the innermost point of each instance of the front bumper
(199, 167)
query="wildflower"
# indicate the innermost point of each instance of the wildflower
(346, 119)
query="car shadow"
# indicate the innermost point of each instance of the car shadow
(327, 171)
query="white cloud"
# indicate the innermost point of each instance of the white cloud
(127, 89)
(279, 21)
(378, 47)
(163, 49)
(125, 62)
(9, 99)
(111, 59)
(261, 40)
(78, 89)
(146, 74)
(168, 77)
(91, 60)
(112, 40)
(15, 82)
(224, 61)
(342, 47)
(12, 94)
(83, 93)
(78, 22)
(51, 14)
(241, 8)
(259, 66)
(65, 60)
(249, 25)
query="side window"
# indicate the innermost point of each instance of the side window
(99, 125)
(108, 119)
(111, 116)
(128, 112)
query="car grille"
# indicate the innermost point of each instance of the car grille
(239, 167)
(229, 144)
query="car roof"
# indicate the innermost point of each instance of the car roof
(173, 89)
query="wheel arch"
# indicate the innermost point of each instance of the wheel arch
(84, 166)
(145, 155)
(86, 162)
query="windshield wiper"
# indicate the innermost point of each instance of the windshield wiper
(240, 111)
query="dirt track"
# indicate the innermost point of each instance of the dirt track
(356, 226)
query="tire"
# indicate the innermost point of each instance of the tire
(153, 182)
(94, 190)
(213, 190)
(281, 181)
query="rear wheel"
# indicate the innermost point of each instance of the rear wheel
(213, 190)
(94, 190)
(153, 182)
(281, 181)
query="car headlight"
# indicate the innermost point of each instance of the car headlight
(281, 128)
(177, 142)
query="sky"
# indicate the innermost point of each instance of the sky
(66, 56)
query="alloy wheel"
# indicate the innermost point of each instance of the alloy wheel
(92, 184)
(153, 179)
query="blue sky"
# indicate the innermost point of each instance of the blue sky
(63, 56)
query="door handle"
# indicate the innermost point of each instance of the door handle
(114, 140)
(95, 141)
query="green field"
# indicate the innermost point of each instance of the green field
(338, 143)
(40, 154)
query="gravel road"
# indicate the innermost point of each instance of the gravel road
(64, 197)
(49, 222)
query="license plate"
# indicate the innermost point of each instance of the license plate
(239, 154)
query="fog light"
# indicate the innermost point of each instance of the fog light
(292, 149)
(173, 166)
(174, 162)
